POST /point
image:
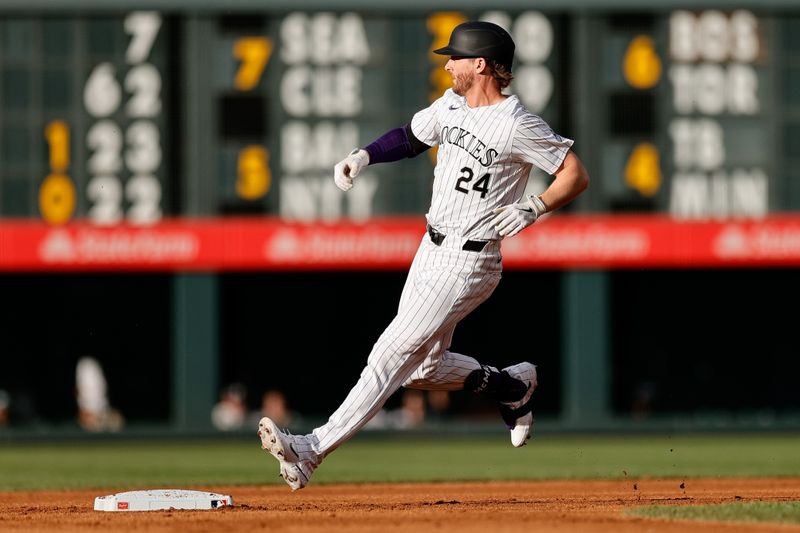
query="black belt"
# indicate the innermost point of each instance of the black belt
(469, 246)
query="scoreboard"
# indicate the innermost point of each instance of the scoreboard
(85, 118)
(141, 118)
(140, 115)
(691, 127)
(293, 93)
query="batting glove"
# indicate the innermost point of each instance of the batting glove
(511, 219)
(349, 167)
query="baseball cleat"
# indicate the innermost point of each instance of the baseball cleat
(521, 432)
(518, 415)
(297, 475)
(277, 442)
(287, 449)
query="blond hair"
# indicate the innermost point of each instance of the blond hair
(501, 73)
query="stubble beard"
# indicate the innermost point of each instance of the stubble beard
(463, 83)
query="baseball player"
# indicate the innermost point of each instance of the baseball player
(488, 143)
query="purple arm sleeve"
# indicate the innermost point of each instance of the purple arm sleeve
(394, 145)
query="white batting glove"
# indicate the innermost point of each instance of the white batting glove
(349, 167)
(511, 219)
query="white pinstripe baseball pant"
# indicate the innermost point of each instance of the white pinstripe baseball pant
(444, 284)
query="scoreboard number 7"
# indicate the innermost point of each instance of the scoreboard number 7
(254, 53)
(143, 27)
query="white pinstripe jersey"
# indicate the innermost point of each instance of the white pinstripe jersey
(485, 157)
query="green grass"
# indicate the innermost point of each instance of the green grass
(785, 512)
(130, 464)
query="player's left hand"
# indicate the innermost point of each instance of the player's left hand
(349, 167)
(511, 219)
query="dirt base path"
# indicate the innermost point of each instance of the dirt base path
(442, 507)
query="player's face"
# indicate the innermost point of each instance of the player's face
(463, 72)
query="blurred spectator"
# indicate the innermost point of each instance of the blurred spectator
(274, 405)
(94, 411)
(410, 414)
(5, 408)
(439, 404)
(230, 412)
(412, 410)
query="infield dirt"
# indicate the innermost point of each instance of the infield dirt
(440, 507)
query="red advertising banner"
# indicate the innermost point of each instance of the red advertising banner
(230, 244)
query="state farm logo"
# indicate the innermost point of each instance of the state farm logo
(118, 246)
(595, 242)
(325, 245)
(767, 241)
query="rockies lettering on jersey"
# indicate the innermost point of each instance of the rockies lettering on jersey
(485, 156)
(456, 136)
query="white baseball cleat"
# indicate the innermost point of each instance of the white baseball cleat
(295, 468)
(521, 432)
(518, 415)
(297, 475)
(277, 442)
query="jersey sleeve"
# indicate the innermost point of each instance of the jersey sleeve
(536, 143)
(425, 123)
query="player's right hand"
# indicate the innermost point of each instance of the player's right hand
(349, 167)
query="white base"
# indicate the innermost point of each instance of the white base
(159, 499)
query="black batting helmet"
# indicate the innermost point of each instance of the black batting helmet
(480, 39)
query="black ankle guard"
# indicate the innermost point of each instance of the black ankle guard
(510, 416)
(496, 385)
